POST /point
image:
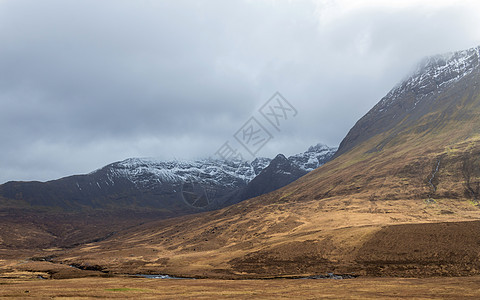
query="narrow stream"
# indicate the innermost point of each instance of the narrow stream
(433, 176)
(328, 276)
(160, 276)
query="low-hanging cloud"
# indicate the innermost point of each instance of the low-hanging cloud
(85, 83)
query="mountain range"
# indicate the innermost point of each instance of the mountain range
(135, 190)
(177, 186)
(400, 197)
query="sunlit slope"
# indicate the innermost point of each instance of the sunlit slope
(430, 153)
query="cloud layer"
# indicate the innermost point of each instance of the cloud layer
(85, 83)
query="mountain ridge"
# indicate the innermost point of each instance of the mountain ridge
(433, 76)
(128, 193)
(208, 178)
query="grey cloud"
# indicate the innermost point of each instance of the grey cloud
(85, 83)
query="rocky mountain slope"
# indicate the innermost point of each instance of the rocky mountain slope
(400, 198)
(178, 186)
(433, 84)
(313, 158)
(280, 172)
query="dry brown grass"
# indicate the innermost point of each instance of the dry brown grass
(139, 288)
(275, 240)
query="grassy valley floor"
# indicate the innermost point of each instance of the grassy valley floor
(140, 288)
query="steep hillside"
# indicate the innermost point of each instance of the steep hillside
(400, 199)
(280, 172)
(438, 83)
(419, 142)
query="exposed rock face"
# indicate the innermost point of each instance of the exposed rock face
(280, 172)
(313, 158)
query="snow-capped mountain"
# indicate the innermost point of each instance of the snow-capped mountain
(146, 173)
(433, 75)
(438, 81)
(177, 187)
(280, 172)
(313, 158)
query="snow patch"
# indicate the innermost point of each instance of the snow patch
(432, 75)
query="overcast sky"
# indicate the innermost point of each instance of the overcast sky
(86, 83)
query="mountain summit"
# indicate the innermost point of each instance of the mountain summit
(430, 119)
(439, 81)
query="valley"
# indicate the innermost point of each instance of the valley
(397, 203)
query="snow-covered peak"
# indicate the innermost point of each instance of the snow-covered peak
(260, 163)
(318, 148)
(314, 157)
(433, 75)
(148, 173)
